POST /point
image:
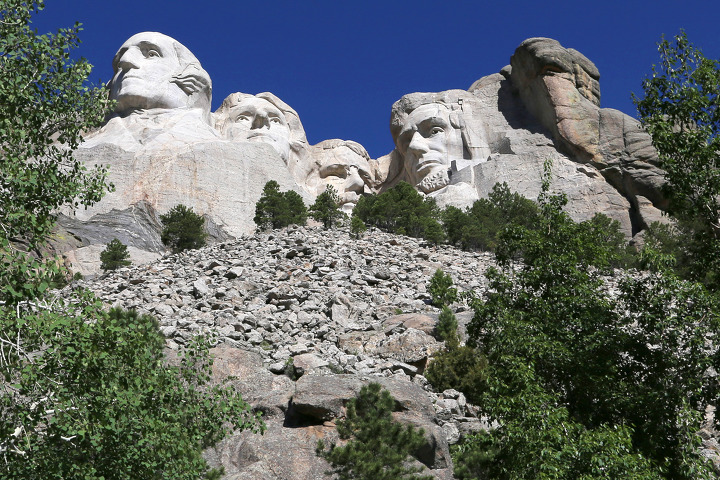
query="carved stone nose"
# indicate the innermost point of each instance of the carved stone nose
(418, 143)
(129, 59)
(260, 121)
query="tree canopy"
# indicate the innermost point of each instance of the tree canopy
(276, 209)
(680, 110)
(585, 384)
(183, 229)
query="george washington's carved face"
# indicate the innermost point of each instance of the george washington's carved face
(153, 70)
(428, 143)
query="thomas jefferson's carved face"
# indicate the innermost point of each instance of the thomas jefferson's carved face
(144, 69)
(257, 120)
(428, 142)
(348, 173)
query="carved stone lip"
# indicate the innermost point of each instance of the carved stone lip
(259, 135)
(425, 164)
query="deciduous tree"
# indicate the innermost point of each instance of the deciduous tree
(681, 112)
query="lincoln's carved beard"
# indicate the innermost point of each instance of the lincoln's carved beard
(434, 181)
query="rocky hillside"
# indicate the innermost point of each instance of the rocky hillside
(305, 317)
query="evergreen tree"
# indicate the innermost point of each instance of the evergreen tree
(479, 226)
(183, 229)
(378, 446)
(276, 209)
(114, 256)
(326, 208)
(357, 226)
(296, 212)
(447, 325)
(402, 210)
(441, 289)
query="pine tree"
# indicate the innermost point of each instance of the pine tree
(326, 208)
(184, 229)
(357, 226)
(378, 446)
(114, 256)
(276, 209)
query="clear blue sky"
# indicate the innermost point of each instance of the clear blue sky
(341, 64)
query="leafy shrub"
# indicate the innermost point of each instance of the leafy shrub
(377, 446)
(680, 111)
(584, 384)
(96, 399)
(183, 229)
(114, 256)
(276, 209)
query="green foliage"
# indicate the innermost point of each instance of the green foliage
(479, 226)
(276, 209)
(357, 226)
(43, 97)
(462, 368)
(447, 324)
(680, 111)
(377, 446)
(326, 208)
(96, 399)
(84, 393)
(401, 210)
(583, 383)
(114, 256)
(441, 289)
(183, 229)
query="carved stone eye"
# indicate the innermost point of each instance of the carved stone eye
(153, 53)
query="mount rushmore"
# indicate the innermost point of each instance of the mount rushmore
(164, 146)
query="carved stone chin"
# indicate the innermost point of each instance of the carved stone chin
(434, 181)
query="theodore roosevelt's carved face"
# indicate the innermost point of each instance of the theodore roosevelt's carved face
(428, 143)
(257, 120)
(153, 70)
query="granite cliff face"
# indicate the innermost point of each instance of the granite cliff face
(164, 147)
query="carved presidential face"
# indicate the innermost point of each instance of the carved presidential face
(144, 69)
(428, 143)
(257, 120)
(348, 173)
